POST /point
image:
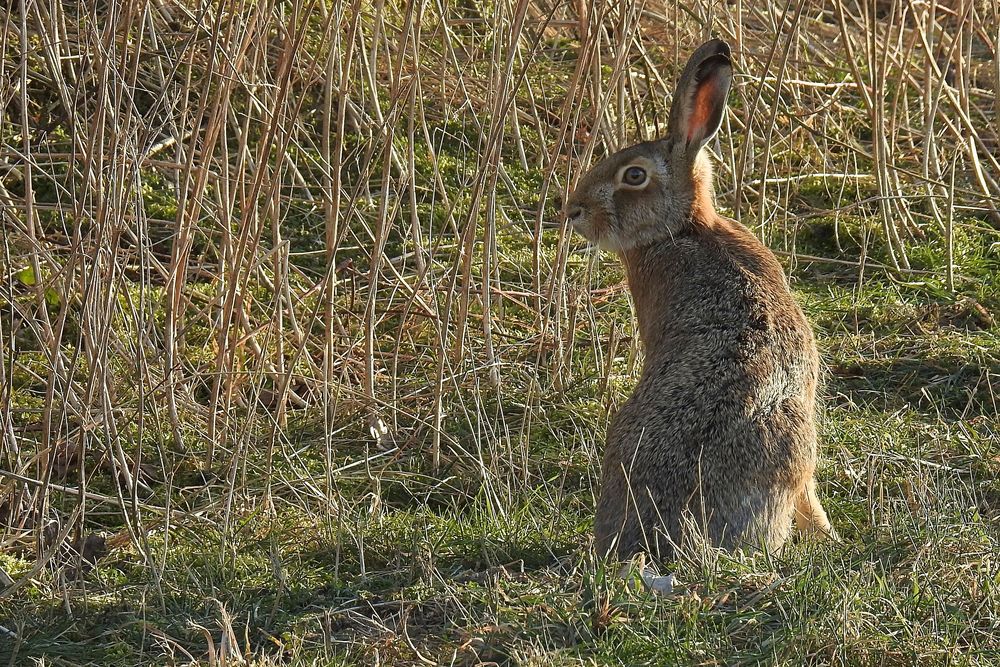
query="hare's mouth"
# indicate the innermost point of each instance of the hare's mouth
(583, 225)
(591, 227)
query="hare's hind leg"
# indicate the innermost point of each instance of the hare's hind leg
(810, 517)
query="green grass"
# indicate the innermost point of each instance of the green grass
(465, 565)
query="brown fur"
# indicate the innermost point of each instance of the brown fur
(719, 436)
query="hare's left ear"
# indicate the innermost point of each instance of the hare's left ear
(700, 99)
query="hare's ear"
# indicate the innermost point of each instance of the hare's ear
(701, 94)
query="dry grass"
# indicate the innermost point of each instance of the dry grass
(286, 291)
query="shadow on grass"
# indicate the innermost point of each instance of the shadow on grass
(947, 386)
(401, 575)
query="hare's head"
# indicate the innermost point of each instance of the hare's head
(649, 191)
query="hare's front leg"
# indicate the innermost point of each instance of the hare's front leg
(810, 517)
(610, 519)
(625, 509)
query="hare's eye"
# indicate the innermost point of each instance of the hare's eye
(634, 176)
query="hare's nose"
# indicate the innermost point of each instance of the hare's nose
(573, 213)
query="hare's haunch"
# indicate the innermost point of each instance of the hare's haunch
(719, 437)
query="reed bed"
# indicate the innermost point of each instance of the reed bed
(271, 269)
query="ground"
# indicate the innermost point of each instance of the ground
(366, 427)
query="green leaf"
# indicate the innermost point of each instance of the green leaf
(27, 276)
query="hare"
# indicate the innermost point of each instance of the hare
(719, 435)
